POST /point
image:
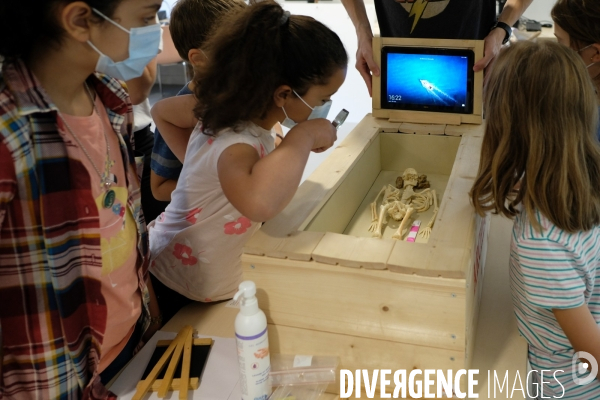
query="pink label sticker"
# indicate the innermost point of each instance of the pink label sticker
(412, 234)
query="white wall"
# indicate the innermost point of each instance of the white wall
(540, 10)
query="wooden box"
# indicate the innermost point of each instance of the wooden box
(328, 288)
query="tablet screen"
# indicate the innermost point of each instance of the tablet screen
(427, 79)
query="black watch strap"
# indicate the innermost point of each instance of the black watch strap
(507, 30)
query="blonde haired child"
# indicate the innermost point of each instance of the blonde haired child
(540, 164)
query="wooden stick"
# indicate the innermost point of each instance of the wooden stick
(194, 384)
(168, 378)
(147, 383)
(185, 368)
(196, 342)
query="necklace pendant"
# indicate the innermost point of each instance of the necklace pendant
(109, 199)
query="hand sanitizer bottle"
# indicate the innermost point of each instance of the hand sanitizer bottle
(252, 345)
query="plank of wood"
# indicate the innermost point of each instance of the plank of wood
(475, 279)
(353, 251)
(465, 129)
(385, 125)
(168, 378)
(147, 383)
(478, 82)
(423, 117)
(335, 215)
(422, 129)
(187, 361)
(376, 79)
(298, 245)
(361, 353)
(468, 156)
(360, 302)
(426, 154)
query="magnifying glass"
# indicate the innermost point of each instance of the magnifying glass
(340, 118)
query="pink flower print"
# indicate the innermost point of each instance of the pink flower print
(262, 151)
(184, 253)
(210, 140)
(207, 300)
(192, 216)
(238, 227)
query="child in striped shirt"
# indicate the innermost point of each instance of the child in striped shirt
(540, 164)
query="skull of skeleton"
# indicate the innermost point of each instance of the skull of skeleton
(410, 176)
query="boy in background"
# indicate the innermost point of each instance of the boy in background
(191, 23)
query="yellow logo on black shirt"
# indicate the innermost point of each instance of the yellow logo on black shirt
(423, 9)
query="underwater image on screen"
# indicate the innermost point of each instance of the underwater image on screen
(427, 80)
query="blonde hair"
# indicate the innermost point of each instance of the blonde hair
(540, 147)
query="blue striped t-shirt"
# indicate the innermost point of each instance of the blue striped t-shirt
(549, 270)
(164, 163)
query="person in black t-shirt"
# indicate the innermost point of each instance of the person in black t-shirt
(436, 19)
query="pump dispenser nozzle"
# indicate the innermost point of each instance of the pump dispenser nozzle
(249, 303)
(247, 289)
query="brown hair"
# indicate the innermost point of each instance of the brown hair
(256, 51)
(540, 145)
(26, 24)
(580, 19)
(192, 21)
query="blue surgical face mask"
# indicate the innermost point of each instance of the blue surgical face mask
(144, 43)
(317, 112)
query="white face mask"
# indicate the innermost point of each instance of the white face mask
(583, 48)
(144, 43)
(317, 112)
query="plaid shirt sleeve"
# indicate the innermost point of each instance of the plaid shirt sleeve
(53, 314)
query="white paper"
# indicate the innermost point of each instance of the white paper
(302, 361)
(219, 379)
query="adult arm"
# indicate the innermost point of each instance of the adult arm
(174, 118)
(512, 11)
(364, 55)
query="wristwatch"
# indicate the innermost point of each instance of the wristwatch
(507, 30)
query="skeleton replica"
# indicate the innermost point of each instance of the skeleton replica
(401, 202)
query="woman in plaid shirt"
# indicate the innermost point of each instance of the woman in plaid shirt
(74, 303)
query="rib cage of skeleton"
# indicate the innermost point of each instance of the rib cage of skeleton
(401, 202)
